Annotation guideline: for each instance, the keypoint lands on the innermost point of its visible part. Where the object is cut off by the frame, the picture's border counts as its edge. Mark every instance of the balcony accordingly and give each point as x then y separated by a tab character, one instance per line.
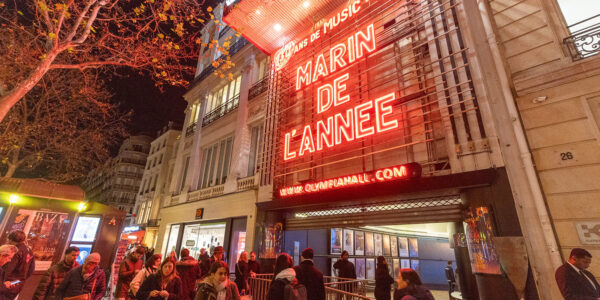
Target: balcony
191	129
221	110
206	193
258	88
248	183
153	223
585	38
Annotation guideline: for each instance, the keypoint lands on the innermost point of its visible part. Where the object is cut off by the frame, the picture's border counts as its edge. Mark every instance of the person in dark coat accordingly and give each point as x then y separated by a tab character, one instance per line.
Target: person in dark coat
217	256
22	264
345	269
189	271
283	275
253	264
56	274
310	277
203	260
7	252
383	280
410	287
242	273
127	270
85	279
573	280
164	284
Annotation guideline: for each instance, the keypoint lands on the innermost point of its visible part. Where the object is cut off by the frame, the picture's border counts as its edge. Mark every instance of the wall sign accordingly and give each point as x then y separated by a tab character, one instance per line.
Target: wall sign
199	213
589	232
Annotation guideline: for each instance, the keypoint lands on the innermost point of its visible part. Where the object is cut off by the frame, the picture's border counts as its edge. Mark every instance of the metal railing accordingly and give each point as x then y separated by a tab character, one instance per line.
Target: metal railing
336	288
233	49
221	110
247	183
191	129
585	38
258	88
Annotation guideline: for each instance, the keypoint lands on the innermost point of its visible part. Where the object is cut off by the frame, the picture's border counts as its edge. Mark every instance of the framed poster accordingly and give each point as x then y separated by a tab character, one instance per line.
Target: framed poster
403	246
404	263
414	264
370	268
84	251
360	268
378	244
413	247
349	241
396	267
336	241
333	261
86	229
394	245
479	233
369	246
44	236
386	245
359	243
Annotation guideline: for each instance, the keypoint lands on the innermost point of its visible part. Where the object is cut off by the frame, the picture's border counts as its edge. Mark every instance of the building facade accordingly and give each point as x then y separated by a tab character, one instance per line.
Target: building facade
156	181
213	189
117	182
386	113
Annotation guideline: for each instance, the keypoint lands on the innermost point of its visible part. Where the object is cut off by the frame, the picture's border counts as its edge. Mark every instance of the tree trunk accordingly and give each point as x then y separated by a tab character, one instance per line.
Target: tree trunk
16	94
10	172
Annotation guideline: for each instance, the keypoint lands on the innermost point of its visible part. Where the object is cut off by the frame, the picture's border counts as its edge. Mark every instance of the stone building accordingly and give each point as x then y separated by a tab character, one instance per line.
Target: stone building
117	182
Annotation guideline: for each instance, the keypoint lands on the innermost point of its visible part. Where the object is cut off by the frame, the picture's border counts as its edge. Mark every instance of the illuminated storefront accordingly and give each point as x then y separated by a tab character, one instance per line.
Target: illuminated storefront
377	115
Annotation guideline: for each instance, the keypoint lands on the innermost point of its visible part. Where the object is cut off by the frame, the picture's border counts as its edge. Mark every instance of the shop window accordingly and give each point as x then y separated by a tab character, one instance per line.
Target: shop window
255	146
216	160
172	240
198	236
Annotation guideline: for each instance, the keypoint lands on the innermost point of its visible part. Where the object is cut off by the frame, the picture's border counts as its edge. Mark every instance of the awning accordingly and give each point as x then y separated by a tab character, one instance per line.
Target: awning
41	189
270	24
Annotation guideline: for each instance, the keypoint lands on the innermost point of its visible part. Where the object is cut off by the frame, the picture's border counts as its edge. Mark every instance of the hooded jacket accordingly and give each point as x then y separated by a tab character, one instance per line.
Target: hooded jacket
127	271
46	289
419	292
189	271
283	278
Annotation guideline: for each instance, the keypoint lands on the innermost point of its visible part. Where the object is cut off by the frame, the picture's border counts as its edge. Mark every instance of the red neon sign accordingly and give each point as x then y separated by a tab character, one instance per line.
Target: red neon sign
381	175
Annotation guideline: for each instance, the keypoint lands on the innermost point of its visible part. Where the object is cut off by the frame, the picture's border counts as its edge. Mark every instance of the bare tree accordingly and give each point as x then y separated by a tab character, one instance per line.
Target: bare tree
63	128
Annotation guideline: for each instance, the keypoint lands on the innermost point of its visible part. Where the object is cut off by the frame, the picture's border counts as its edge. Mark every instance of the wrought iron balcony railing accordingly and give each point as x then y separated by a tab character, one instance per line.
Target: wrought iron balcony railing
190	129
221	110
233	49
585	38
258	88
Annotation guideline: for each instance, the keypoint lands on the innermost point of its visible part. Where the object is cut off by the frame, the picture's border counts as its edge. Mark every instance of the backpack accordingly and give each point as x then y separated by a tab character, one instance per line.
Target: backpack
294	292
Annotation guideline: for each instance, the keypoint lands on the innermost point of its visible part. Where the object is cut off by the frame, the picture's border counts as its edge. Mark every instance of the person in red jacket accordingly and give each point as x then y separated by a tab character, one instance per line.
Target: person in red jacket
127	270
189	271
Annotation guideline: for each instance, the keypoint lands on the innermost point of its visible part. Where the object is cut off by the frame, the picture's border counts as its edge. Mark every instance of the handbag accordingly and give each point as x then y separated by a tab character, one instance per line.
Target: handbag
84	296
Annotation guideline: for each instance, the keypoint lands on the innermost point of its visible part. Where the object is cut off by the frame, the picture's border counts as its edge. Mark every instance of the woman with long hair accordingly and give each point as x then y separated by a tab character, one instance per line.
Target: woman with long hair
383	280
152	265
410	287
217	285
283	275
242	272
164	284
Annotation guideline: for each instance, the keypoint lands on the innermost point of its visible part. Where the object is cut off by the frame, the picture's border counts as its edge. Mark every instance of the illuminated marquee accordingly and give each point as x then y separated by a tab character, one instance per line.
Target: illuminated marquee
381	175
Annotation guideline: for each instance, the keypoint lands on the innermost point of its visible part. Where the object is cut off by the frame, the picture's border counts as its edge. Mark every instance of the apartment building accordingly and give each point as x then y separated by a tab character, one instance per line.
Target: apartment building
213	189
156	180
117	182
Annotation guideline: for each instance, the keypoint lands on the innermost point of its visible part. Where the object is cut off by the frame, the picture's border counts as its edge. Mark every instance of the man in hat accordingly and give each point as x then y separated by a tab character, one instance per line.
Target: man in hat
573	280
216	256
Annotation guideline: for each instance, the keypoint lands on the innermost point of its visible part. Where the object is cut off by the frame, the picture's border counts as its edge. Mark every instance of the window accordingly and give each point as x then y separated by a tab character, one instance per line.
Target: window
263	68
225	93
576	11
141	213
194	113
255	146
184	175
216	160
148	209
155	180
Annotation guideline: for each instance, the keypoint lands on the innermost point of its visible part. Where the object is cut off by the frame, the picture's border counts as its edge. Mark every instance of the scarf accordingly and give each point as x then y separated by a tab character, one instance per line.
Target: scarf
289	274
222	290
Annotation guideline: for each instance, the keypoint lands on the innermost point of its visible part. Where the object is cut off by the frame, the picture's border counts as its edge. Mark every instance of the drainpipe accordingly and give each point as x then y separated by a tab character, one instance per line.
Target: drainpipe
523	147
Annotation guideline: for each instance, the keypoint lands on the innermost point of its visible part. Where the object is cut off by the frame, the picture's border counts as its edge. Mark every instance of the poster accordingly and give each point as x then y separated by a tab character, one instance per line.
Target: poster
479	233
86	228
271	245
378	244
360	268
414	264
296	253
44	237
403	246
386	245
84	251
396	267
413	247
336	241
333	261
370	268
394	245
349	241
21	220
404	263
369	246
359	243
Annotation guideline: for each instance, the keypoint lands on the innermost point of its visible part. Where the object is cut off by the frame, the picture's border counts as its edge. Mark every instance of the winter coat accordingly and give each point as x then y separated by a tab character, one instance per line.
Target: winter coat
74	284
20	267
135	284
189	271
419	292
242	272
345	269
254	266
152	283
283	278
204	261
312	279
127	271
383	282
207	291
8	293
52	279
